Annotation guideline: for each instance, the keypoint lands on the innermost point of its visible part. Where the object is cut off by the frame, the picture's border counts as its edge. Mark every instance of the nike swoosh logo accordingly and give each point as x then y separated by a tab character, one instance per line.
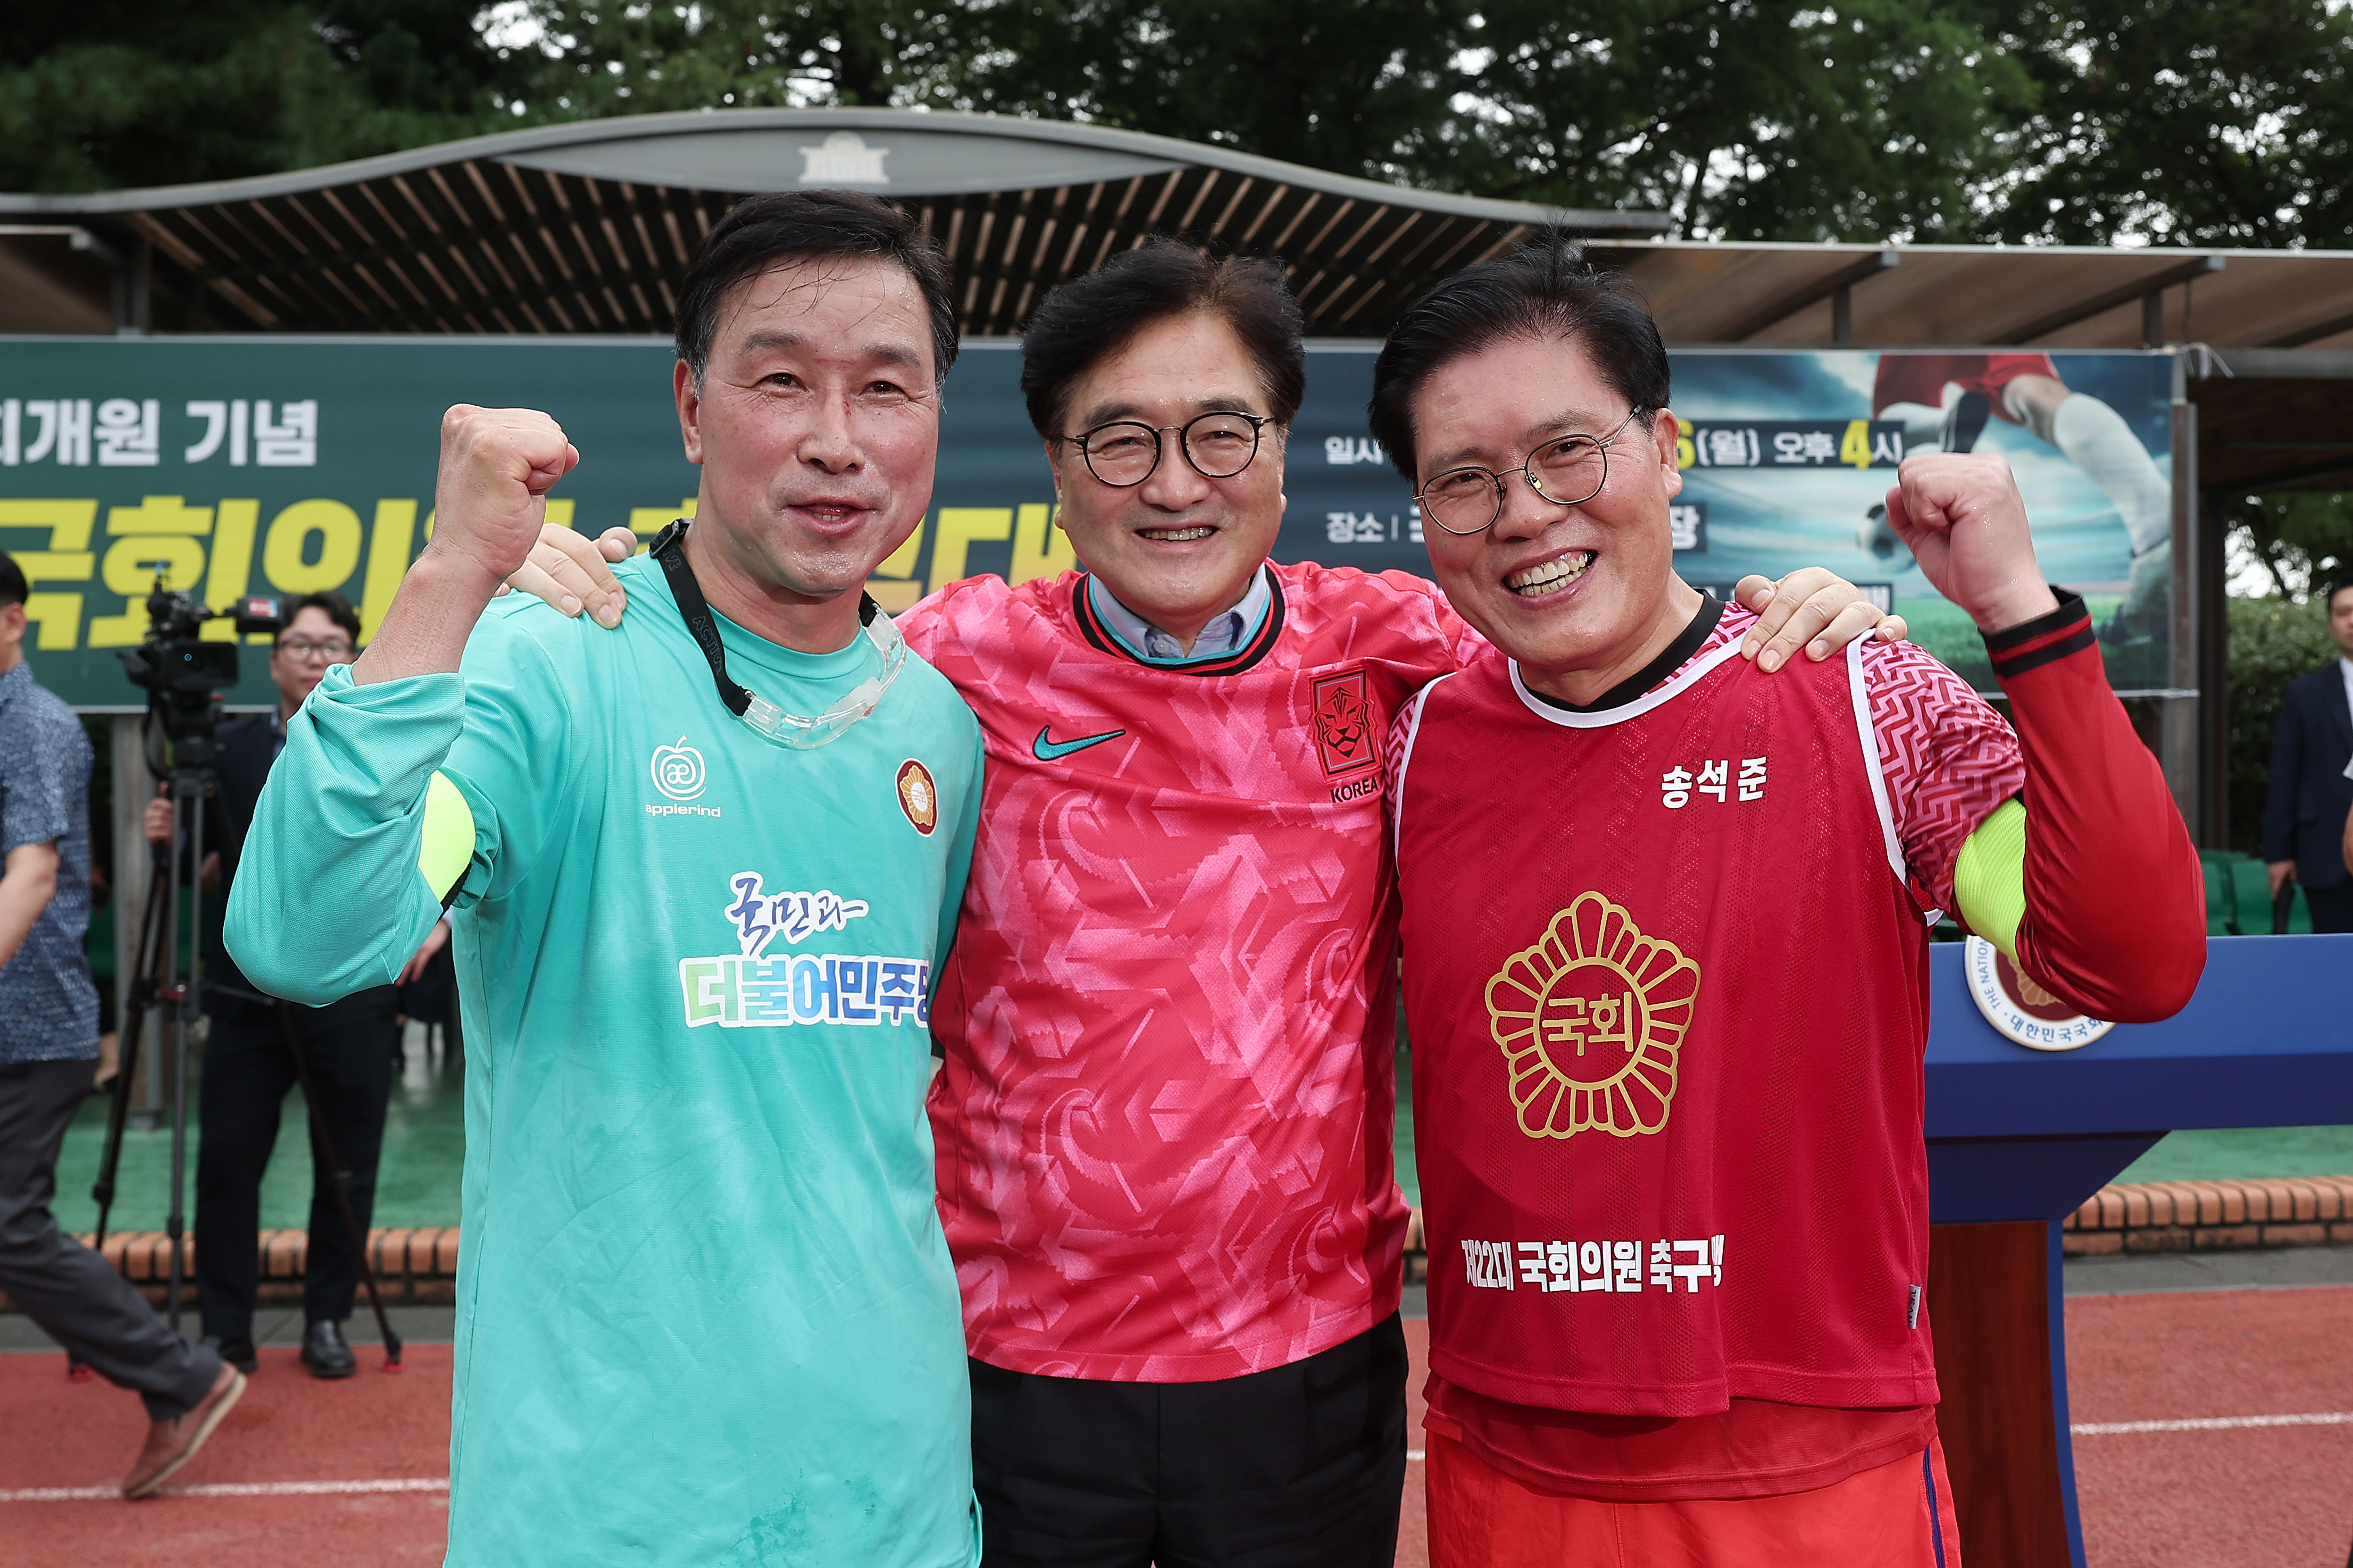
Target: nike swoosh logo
1047	751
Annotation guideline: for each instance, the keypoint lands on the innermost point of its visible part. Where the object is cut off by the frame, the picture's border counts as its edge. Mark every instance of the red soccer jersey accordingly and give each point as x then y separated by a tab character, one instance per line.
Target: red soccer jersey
1163	1118
1669	1025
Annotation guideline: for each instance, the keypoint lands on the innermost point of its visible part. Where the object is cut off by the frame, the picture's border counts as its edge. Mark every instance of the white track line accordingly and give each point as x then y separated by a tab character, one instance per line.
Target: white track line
232	1489
2211	1423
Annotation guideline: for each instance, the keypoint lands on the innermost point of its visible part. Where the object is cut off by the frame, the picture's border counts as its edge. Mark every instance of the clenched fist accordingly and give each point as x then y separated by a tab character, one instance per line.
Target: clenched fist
497	466
1966	523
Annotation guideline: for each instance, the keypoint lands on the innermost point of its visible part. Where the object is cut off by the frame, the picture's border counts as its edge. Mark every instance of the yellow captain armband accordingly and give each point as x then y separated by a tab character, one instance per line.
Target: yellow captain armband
1989	877
448	846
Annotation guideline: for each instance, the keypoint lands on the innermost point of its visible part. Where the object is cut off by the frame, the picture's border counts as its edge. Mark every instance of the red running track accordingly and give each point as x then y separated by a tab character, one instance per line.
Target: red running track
2262	1497
288	1427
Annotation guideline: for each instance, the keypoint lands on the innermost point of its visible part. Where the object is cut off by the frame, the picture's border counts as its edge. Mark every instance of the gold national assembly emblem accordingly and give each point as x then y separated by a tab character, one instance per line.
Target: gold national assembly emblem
1590	1020
918	796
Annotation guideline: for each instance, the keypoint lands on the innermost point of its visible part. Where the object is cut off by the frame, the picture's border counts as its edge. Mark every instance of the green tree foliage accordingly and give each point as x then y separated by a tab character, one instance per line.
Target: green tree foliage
105	93
2273	641
2303	538
2018	120
2229	123
1872	119
618	57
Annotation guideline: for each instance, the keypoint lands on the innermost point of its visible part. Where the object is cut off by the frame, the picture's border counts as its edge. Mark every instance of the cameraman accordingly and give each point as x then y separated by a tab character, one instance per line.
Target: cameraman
349	1045
49	1046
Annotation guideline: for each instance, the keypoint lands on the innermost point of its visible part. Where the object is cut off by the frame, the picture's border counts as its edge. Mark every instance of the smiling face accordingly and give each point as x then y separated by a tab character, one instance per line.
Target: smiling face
818	426
1582	595
1177	549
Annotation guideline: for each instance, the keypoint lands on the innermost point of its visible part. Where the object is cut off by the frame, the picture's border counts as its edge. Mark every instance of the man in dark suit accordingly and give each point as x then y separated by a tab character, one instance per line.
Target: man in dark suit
350	1046
2305	829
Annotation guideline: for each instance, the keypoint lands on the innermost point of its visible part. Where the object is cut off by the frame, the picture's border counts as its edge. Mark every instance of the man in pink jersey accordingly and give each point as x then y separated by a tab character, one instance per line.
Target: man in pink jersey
1163	1115
1674	1184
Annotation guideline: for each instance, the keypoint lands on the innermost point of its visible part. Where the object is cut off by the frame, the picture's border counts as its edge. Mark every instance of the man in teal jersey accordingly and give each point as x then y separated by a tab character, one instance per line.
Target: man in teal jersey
706	1313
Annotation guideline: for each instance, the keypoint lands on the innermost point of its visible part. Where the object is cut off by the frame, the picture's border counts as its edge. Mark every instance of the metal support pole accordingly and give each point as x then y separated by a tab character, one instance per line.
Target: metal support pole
2184	721
133	870
2152	319
139	289
1842	315
188	806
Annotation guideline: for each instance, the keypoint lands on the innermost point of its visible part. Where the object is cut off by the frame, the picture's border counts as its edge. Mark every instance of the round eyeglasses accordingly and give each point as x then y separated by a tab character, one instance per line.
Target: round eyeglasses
1567	471
1126	452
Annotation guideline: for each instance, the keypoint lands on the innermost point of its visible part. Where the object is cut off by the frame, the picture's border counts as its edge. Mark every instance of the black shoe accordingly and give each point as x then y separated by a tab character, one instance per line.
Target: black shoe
325	1353
239	1354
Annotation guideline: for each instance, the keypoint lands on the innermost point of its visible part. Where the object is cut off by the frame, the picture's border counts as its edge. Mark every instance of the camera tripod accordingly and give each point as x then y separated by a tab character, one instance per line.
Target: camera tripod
158	982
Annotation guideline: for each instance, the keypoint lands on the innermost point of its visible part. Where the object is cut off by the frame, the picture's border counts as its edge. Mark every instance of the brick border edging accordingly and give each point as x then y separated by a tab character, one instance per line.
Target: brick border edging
2211	1217
420	1264
412	1264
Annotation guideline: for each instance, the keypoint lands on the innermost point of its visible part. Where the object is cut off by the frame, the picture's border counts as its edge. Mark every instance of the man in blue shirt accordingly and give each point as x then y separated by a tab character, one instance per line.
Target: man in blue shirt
704	867
48	1048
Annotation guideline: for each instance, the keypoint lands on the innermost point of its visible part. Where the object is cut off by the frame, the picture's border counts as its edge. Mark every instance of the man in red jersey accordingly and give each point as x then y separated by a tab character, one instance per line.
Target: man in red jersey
1163	1115
1674	1184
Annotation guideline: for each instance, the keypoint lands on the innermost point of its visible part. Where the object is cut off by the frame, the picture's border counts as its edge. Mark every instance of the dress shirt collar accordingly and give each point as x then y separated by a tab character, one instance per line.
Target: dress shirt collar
1225	634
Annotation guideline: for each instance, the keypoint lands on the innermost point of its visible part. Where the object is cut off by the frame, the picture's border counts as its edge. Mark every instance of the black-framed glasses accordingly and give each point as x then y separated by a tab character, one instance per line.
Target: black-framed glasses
1566	470
1126	452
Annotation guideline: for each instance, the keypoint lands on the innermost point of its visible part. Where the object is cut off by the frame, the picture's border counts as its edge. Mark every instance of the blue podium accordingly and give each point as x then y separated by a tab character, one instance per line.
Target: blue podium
2018	1138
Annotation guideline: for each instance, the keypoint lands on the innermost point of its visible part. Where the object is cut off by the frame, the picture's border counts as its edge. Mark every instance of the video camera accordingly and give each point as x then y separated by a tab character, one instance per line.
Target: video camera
184	674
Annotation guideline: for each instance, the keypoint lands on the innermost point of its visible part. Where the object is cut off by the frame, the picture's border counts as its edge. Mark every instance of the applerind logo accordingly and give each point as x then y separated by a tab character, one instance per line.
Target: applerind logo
678	770
677	773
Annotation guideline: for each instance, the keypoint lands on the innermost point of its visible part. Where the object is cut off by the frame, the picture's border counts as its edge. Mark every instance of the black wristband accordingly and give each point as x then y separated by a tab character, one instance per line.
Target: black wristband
2045	639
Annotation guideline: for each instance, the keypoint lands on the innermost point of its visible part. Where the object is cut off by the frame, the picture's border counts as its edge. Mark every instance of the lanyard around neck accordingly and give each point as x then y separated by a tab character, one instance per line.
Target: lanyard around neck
670	549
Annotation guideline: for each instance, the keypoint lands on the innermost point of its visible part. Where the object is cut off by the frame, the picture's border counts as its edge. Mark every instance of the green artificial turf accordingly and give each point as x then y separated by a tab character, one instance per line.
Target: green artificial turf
416	1179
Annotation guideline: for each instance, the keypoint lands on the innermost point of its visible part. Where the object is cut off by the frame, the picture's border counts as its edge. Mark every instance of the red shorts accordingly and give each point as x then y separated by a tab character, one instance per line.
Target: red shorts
1921	378
1896	1515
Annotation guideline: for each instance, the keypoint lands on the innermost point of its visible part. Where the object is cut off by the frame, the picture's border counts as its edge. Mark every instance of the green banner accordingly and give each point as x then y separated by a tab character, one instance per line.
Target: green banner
288	466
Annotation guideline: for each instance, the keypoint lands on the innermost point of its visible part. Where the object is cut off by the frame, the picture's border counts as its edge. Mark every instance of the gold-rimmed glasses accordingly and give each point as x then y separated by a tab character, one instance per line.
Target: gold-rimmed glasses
1566	470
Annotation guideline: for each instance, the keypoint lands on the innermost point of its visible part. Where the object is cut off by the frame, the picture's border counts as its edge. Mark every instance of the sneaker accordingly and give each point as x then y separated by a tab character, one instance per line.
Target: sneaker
170	1443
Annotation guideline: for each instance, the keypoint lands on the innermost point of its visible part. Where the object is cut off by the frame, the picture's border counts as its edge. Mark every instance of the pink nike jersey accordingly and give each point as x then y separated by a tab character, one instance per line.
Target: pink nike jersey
1165	1115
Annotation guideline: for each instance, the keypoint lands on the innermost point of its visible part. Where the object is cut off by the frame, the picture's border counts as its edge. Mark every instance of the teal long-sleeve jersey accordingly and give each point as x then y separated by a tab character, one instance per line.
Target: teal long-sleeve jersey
706	1315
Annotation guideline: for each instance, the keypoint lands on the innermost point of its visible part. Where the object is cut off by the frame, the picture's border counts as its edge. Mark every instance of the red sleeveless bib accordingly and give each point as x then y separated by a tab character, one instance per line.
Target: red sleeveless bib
1668	1001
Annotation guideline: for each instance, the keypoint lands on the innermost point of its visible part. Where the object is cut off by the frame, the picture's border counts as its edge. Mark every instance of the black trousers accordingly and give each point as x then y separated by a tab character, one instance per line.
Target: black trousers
350	1046
2332	908
1302	1467
74	1294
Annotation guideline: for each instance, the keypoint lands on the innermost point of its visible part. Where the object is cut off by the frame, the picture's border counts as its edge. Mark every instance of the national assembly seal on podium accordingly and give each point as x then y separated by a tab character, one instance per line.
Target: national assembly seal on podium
2020	1010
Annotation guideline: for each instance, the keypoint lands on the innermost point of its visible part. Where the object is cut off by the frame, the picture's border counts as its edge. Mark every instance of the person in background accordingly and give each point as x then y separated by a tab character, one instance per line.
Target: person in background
2308	811
350	1046
48	1042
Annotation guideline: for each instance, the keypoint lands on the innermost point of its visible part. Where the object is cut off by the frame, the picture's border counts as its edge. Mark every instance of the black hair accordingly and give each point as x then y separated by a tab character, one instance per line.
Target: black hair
2327	594
337	609
759	233
1078	325
14	589
1546	288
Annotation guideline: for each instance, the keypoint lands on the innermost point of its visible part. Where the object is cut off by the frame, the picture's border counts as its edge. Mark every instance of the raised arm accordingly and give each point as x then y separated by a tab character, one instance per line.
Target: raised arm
403	779
489	499
2093	887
